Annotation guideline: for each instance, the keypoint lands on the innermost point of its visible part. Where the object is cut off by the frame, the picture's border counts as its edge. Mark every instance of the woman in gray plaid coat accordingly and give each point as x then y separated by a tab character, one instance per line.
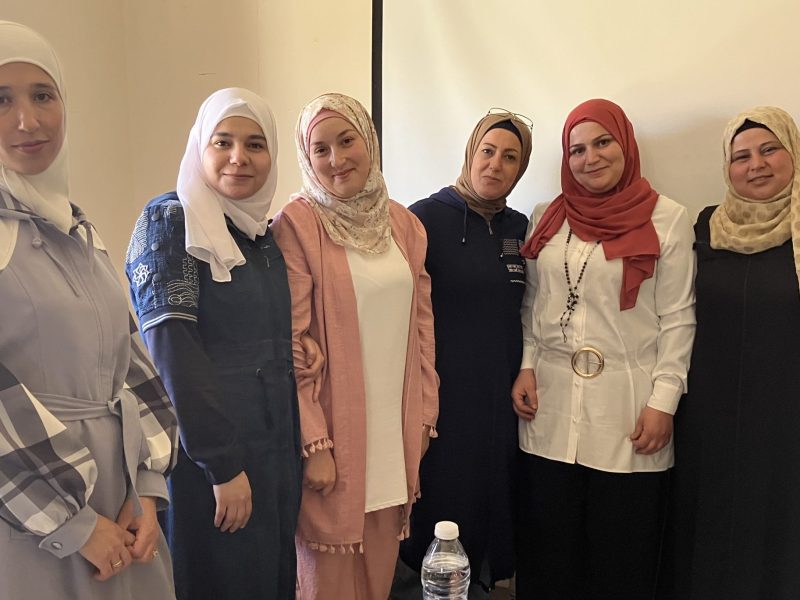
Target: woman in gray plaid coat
86	430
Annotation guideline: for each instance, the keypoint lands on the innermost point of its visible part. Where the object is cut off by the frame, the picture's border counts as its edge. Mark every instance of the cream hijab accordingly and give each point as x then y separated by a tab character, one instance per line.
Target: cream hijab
207	235
360	222
45	194
743	225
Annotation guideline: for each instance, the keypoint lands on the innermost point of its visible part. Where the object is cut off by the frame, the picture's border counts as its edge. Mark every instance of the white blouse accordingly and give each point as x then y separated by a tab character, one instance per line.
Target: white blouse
646	349
384	288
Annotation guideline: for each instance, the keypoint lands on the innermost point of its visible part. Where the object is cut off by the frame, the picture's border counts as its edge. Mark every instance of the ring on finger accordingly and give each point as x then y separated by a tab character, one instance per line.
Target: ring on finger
117	565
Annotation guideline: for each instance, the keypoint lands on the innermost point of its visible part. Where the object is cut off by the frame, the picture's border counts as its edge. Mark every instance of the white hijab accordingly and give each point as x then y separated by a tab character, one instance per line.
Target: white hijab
45	194
207	235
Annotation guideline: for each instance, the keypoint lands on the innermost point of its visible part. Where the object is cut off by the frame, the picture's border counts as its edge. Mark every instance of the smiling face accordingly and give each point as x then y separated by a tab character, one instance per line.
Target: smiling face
32	123
236	162
495	164
339	157
760	166
596	159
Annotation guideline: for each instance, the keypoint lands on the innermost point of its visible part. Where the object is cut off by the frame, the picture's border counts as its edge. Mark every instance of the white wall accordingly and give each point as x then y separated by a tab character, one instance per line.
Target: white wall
137	70
680	69
88	36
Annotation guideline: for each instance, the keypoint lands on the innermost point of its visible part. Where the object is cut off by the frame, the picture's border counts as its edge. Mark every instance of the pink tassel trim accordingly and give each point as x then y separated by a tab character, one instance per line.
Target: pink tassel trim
321	444
432	431
337	548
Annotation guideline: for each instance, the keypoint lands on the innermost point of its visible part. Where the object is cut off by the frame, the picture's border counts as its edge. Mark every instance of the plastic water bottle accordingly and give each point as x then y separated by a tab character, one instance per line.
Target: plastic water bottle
445	568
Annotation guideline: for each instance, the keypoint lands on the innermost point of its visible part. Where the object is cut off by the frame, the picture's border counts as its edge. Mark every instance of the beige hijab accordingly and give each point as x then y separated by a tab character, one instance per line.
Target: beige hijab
485	207
362	221
743	225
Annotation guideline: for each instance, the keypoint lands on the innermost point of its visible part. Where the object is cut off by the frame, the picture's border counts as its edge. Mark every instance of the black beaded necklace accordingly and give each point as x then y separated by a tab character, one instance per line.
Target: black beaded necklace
572	296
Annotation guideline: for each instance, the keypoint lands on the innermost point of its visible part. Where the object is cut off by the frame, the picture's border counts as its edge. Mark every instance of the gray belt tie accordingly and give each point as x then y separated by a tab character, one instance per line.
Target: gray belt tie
125	407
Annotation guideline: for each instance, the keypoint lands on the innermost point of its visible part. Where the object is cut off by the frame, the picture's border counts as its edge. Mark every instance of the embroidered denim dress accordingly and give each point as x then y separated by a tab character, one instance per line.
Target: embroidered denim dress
245	359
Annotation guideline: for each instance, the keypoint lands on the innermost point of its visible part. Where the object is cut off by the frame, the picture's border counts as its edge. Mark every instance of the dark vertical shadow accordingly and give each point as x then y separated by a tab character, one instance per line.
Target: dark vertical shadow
377	67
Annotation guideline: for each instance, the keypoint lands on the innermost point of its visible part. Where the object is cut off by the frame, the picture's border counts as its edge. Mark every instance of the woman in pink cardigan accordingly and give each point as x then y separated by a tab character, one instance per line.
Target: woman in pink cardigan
359	288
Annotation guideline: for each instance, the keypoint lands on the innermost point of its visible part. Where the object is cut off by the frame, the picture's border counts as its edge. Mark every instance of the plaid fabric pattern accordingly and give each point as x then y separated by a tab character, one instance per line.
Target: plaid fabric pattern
46	475
156	413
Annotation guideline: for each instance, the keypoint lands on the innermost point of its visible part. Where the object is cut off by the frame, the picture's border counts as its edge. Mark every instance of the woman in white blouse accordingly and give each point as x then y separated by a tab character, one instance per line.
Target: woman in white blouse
608	324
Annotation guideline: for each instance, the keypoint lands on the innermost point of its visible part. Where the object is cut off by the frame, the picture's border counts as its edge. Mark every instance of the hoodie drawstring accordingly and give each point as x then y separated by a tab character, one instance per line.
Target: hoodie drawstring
89	248
499	232
464	233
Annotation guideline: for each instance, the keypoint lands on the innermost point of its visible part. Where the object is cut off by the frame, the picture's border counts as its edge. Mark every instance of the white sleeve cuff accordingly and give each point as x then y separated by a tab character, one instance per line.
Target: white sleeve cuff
528	354
666	396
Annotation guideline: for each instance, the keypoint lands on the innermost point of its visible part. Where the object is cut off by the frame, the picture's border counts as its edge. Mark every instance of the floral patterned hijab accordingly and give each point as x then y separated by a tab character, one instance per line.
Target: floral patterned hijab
362	221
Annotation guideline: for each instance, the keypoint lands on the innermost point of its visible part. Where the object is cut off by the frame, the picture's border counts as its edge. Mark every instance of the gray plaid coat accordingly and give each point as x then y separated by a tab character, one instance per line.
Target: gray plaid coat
84	421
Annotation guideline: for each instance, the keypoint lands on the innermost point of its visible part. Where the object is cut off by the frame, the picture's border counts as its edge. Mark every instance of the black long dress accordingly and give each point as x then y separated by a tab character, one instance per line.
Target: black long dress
477	283
224	353
734	518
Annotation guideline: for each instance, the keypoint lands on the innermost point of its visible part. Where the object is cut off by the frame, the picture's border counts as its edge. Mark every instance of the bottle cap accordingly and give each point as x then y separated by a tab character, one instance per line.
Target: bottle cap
446	530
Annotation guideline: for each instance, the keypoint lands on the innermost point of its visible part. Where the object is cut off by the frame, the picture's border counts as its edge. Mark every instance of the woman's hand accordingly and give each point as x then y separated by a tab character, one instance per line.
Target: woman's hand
234	503
523	395
319	473
144	528
426	440
314	362
314	357
107	549
653	431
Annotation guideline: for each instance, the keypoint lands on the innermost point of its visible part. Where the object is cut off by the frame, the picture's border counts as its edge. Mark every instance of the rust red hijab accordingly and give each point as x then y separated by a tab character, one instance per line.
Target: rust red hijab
620	217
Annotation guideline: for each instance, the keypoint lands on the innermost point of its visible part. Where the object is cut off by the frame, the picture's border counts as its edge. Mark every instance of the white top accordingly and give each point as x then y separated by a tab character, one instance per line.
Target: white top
646	348
383	287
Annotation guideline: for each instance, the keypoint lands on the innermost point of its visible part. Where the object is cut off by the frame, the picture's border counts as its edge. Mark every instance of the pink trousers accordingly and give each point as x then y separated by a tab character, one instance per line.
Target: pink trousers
367	576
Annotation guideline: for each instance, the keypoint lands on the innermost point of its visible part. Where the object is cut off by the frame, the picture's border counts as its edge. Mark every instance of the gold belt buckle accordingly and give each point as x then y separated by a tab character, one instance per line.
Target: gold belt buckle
588	362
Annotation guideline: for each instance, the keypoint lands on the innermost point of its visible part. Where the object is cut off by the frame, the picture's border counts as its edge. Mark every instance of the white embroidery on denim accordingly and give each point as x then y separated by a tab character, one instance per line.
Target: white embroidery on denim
172	210
190	275
185	292
140	274
138	241
179	293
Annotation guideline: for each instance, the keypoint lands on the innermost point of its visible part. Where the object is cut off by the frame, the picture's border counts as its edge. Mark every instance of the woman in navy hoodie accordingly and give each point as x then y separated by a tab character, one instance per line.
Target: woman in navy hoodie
477	278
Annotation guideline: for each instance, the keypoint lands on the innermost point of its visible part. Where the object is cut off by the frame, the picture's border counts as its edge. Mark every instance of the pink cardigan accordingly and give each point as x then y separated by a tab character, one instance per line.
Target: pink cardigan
324	305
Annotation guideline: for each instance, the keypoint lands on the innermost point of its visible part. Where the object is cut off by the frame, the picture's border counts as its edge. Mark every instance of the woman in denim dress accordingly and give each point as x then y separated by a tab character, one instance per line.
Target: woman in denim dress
210	288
